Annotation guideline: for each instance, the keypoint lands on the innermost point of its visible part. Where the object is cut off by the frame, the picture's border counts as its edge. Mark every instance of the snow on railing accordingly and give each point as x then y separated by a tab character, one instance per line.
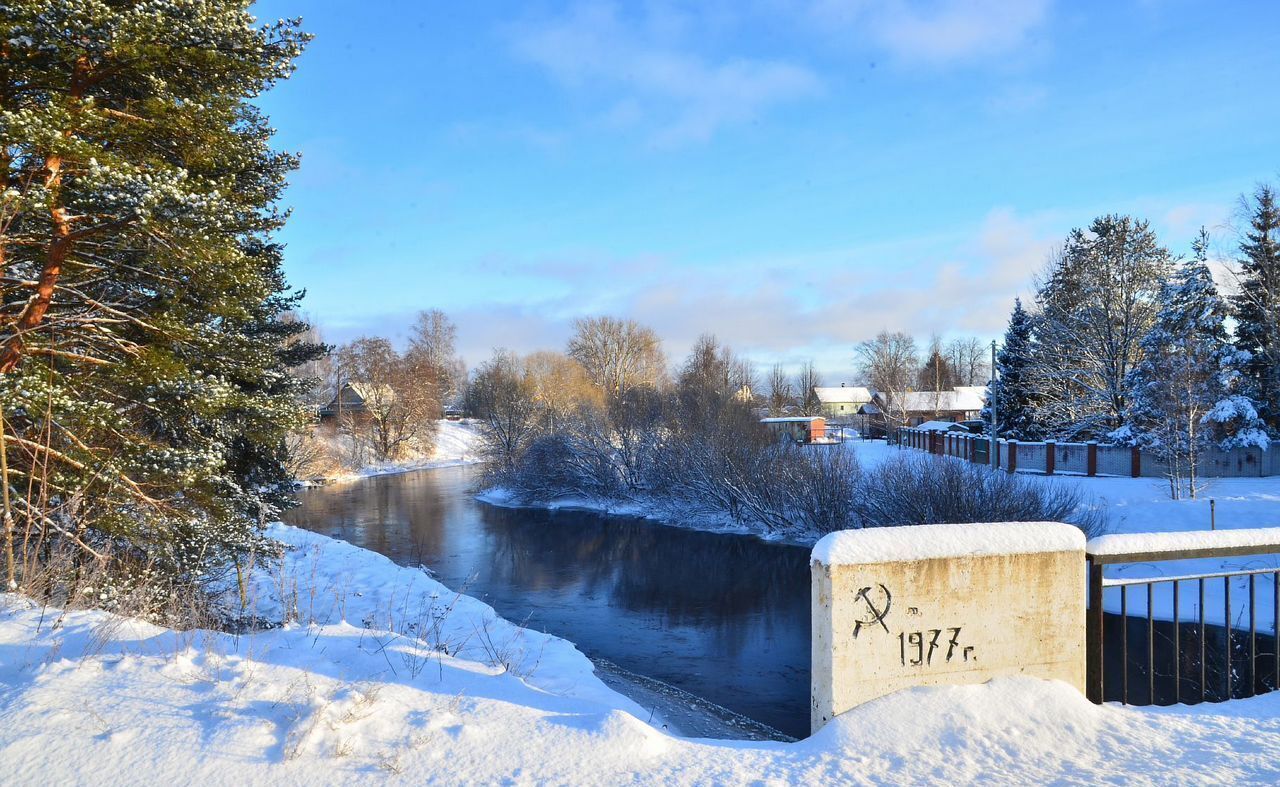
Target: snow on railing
1050	457
1210	655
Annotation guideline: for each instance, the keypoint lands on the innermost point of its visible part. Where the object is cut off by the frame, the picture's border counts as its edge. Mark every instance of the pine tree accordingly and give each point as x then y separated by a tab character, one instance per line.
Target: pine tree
1016	395
144	344
1257	306
1184	395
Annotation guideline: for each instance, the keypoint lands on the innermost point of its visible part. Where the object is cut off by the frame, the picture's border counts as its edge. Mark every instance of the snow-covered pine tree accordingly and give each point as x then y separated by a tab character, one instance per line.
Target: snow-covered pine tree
1184	396
1096	302
1016	393
143	345
1257	306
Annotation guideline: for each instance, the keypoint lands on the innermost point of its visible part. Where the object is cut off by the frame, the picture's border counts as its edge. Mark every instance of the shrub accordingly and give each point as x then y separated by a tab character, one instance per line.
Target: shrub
918	489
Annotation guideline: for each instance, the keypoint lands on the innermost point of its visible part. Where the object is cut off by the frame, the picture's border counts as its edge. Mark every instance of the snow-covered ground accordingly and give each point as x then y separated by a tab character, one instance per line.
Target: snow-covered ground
1143	505
456	443
351	693
386	674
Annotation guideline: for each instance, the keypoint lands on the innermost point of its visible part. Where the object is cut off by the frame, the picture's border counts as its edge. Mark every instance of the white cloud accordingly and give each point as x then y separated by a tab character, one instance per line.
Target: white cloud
653	74
934	31
840	297
959	29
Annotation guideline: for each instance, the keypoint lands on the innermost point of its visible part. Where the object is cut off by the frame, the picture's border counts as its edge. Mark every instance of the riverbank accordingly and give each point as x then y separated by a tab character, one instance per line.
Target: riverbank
1133	505
387	674
456	443
870	453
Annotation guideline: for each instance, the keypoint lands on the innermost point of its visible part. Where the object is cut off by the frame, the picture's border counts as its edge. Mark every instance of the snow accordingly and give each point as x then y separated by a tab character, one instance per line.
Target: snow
940	426
1157	543
844	394
926	542
456	443
388	675
1142	506
350	694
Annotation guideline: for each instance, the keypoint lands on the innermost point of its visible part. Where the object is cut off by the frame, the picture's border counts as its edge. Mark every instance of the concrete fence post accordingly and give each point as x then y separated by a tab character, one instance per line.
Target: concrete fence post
1091	458
1050	456
898	607
1013	456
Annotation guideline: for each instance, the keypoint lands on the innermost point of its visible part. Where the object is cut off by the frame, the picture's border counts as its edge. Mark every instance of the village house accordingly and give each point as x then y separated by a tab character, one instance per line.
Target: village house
910	408
799	429
844	401
351	402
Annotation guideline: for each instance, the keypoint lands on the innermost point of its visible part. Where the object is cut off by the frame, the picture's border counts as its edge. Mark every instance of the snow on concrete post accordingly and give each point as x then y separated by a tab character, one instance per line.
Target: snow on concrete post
897	607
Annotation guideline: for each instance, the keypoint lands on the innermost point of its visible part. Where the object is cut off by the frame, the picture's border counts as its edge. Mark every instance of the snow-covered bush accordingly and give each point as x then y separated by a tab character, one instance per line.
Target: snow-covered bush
561	465
918	489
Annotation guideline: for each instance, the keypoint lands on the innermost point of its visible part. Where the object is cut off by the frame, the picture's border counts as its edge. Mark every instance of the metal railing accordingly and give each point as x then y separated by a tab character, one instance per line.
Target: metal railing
1199	660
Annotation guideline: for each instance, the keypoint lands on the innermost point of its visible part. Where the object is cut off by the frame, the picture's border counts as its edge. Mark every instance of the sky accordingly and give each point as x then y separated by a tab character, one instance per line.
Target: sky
791	176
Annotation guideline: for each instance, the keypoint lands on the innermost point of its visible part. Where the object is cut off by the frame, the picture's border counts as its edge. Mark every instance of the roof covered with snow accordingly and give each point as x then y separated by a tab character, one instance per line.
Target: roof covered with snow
794	419
926	542
843	394
967	399
941	426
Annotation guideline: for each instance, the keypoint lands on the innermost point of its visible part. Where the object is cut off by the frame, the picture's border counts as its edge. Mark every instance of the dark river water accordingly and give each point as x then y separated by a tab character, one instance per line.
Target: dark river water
723	617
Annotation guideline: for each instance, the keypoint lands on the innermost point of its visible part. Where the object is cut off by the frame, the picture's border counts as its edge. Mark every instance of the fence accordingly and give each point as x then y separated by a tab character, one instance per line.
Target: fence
1116	616
1179	660
1090	459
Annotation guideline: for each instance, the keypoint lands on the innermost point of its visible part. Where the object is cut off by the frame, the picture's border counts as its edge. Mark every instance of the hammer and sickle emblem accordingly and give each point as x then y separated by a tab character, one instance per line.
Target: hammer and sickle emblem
875	604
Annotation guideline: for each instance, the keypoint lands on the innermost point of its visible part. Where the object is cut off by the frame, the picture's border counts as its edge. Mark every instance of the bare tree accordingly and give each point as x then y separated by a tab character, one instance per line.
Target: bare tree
501	396
937	375
561	388
806	381
432	341
890	364
398	407
618	354
781	393
969	359
321	371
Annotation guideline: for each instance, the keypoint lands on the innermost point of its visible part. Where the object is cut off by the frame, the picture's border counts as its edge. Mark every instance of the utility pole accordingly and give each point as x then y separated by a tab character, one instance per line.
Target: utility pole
994	420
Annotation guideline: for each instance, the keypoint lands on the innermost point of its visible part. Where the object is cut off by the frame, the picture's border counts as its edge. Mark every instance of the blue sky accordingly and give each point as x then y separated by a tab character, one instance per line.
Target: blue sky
792	176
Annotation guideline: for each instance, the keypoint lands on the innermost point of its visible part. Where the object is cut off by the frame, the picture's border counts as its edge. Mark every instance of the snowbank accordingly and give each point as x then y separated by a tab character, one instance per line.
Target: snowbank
456	443
393	676
925	542
90	698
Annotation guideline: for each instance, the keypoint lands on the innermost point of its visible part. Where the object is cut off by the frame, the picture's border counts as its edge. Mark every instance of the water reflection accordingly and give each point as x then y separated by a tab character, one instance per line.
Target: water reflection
722	616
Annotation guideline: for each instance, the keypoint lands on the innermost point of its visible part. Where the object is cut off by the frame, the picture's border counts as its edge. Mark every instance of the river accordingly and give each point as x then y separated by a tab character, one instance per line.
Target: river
723	617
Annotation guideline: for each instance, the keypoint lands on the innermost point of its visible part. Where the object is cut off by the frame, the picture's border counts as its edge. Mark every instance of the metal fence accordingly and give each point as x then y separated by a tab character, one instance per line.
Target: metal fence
1090	459
1176	649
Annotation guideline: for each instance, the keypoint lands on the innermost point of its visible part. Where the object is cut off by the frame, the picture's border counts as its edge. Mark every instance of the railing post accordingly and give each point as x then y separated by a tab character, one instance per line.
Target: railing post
1013	456
1135	461
1091	458
1050	456
1093	636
